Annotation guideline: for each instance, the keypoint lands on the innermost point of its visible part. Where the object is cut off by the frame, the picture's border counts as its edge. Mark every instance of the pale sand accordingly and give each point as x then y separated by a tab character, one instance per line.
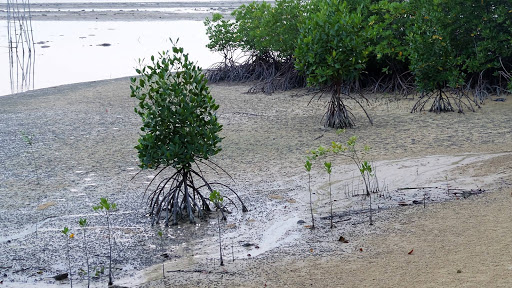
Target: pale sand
83	151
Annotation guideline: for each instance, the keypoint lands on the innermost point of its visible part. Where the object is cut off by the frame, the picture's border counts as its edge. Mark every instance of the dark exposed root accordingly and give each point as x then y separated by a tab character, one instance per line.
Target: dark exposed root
442	102
482	88
489	82
284	77
397	83
361	105
179	197
338	116
269	73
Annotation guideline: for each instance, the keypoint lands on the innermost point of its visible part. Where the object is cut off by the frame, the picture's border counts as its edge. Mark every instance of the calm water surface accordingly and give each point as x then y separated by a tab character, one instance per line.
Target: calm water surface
72	51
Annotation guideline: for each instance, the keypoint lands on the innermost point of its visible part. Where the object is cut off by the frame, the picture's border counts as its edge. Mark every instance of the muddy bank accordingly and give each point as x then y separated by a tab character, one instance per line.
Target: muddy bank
83	150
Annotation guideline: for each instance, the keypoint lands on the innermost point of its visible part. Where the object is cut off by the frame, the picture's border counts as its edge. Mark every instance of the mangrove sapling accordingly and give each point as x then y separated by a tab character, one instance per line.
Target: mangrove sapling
328	169
364	167
98	271
180	130
107	208
350	151
217	199
308	168
65	231
28	139
83	223
366	172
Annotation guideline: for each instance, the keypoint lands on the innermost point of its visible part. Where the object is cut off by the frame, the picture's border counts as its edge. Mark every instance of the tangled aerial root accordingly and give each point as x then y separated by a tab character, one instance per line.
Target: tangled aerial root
179	197
442	102
269	73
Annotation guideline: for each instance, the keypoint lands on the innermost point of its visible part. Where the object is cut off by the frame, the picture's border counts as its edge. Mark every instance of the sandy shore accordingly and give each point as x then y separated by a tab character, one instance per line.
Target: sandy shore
82	150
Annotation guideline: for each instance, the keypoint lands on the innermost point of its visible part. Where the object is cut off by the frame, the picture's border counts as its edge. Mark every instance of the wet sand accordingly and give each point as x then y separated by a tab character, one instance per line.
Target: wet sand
83	139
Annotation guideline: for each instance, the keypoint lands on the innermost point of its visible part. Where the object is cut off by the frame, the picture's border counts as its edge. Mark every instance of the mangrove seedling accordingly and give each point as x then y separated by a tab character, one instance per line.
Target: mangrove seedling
68	236
328	169
107	208
179	131
83	223
308	168
98	271
29	140
161	235
350	151
366	172
217	199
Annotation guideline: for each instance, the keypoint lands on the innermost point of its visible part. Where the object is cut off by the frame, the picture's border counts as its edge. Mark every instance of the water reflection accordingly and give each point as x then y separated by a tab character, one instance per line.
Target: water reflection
20	45
80	51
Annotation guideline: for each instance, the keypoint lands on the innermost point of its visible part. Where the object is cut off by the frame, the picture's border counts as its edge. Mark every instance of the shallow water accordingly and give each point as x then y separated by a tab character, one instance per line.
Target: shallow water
68	52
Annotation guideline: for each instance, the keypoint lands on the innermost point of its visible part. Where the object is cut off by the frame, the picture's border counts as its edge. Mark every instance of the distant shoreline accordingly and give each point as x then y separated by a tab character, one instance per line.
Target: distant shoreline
128	11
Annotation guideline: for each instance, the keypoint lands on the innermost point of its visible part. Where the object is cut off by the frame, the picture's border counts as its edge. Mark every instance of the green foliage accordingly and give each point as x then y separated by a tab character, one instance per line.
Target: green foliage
264	28
99	271
333	44
263	37
284	24
177	111
250	19
480	30
104	204
349	150
453	39
215	197
308	165
332	52
365	168
388	19
28	139
434	60
223	35
328	167
82	222
68	236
